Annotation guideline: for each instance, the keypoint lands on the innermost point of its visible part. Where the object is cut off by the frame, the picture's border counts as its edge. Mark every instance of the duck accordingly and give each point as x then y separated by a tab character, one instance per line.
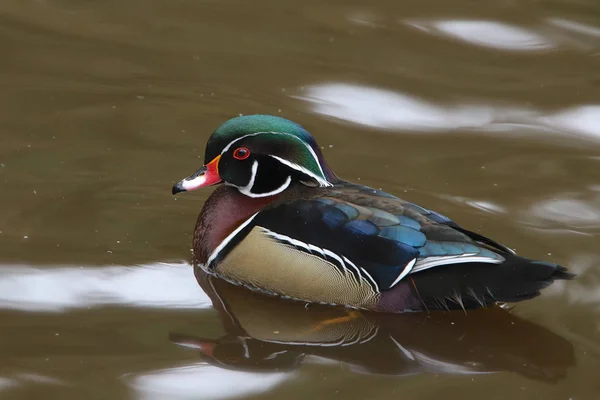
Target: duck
281	222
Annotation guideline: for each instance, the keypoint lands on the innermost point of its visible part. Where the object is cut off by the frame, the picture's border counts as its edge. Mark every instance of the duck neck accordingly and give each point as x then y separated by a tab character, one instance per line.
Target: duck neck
224	210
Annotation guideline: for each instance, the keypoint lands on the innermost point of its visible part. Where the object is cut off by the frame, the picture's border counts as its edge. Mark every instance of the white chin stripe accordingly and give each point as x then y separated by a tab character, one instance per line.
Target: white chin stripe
194	183
247	190
276	191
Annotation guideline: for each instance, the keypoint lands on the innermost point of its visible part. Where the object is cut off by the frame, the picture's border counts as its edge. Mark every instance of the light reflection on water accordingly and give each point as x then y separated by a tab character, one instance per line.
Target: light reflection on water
202	381
6	383
20	379
386	109
546	35
575	26
581	119
158	285
482	205
568	211
490	34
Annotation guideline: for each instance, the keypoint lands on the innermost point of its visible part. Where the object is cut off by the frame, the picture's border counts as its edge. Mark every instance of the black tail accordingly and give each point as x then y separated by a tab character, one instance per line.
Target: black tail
475	285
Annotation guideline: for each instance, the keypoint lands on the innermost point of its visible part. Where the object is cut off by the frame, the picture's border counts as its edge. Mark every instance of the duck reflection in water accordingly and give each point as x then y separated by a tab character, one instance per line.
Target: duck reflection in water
267	334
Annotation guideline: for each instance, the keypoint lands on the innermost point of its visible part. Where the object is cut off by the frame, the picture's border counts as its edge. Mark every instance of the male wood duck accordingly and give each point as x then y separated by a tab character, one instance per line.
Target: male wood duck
283	223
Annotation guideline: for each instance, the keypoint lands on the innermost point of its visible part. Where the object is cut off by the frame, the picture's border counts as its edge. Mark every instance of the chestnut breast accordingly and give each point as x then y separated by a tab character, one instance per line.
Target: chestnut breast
224	210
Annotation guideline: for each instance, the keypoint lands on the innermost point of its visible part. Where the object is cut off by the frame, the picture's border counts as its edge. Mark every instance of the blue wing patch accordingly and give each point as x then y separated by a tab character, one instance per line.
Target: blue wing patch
406	235
362	227
347	209
334	217
409	222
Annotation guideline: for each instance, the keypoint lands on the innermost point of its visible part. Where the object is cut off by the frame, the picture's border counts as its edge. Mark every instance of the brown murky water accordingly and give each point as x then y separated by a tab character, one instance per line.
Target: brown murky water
488	112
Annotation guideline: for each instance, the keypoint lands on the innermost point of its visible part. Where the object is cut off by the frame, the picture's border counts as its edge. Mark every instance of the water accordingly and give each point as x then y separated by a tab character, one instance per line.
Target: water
487	112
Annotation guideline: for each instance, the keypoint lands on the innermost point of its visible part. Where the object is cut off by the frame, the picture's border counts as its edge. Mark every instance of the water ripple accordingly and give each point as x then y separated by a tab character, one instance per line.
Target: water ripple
567	211
491	34
202	381
575	26
158	285
482	205
389	110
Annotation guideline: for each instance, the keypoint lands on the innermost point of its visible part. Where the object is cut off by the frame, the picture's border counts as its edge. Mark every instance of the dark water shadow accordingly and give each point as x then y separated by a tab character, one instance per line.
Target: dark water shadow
268	334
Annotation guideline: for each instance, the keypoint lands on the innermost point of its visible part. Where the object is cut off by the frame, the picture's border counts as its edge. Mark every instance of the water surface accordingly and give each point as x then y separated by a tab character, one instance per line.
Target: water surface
487	112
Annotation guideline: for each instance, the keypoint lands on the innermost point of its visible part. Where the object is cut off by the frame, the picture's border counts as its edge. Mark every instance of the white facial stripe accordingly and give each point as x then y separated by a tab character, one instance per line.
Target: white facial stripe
273	192
350	263
240	138
404	272
225	241
247	190
194	183
312	152
322	182
321	179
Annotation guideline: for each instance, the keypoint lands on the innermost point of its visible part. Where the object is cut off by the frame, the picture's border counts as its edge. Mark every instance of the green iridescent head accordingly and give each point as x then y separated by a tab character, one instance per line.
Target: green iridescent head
261	155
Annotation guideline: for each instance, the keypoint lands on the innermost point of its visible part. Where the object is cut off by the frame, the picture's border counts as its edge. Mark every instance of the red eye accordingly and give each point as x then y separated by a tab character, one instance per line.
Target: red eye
241	153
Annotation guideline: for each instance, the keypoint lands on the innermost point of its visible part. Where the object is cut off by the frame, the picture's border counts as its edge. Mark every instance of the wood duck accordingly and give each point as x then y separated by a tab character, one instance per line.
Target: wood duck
283	223
266	334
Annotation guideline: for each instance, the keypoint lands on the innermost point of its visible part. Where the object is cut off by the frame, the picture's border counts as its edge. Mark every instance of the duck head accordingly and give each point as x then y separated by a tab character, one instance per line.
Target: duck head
260	155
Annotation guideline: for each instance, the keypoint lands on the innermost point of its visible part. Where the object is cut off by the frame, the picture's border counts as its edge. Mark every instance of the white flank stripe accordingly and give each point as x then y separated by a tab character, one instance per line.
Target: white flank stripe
222	245
353	266
288	239
404	272
431	262
329	253
343	261
375	285
317	249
